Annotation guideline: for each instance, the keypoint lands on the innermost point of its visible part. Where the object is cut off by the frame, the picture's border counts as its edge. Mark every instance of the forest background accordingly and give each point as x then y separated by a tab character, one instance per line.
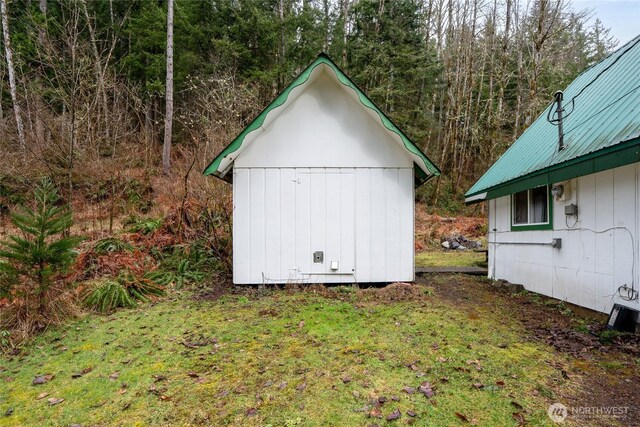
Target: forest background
84	85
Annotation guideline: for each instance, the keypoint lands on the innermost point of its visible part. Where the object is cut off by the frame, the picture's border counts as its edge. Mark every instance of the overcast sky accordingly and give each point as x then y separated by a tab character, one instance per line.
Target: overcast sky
622	16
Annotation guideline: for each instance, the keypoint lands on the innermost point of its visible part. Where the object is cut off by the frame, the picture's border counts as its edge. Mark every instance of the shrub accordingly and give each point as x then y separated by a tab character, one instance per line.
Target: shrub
183	264
125	291
33	264
109	295
141	288
145	225
110	245
185	272
5	340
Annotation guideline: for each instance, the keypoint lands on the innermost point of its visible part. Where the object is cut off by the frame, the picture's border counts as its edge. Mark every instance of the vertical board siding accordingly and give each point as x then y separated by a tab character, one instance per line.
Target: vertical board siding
378	230
600	252
318	194
303	221
257	213
360	217
273	244
347	222
288	224
363	225
392	223
241	239
406	200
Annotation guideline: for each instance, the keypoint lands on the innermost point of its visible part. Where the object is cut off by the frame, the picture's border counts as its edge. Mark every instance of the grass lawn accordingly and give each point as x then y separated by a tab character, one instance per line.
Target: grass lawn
452	258
285	358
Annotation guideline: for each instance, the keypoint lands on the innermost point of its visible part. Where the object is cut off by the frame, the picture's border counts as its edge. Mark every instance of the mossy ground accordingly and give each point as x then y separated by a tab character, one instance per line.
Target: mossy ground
285	358
440	258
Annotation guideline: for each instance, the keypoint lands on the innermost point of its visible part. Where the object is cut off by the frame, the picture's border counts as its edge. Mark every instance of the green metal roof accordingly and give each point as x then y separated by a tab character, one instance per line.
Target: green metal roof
601	131
424	168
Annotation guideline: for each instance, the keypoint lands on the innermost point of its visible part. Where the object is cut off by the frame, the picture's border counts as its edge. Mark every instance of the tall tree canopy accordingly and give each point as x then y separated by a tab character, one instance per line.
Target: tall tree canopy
462	78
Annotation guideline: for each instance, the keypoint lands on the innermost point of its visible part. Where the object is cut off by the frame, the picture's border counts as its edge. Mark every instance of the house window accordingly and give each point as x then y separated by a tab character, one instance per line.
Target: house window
531	207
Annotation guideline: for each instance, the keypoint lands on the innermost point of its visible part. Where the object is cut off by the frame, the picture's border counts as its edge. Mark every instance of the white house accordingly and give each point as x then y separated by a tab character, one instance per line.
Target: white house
323	187
564	201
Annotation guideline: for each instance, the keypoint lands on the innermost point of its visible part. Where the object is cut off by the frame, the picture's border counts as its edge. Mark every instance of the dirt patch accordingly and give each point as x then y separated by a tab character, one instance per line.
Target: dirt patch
395	292
602	371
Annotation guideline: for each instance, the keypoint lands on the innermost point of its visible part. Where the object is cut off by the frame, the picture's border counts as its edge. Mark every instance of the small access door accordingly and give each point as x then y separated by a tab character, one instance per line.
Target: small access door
325	224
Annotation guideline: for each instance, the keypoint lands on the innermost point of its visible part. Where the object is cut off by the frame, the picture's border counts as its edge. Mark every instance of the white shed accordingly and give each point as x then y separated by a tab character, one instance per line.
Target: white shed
323	187
564	201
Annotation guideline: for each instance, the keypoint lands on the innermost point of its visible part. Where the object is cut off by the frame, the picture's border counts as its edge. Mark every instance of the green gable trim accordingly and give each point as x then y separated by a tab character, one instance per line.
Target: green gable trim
423	172
615	156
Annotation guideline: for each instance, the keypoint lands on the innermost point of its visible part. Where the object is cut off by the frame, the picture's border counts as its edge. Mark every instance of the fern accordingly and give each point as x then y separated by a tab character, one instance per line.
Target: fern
145	225
111	245
109	295
125	291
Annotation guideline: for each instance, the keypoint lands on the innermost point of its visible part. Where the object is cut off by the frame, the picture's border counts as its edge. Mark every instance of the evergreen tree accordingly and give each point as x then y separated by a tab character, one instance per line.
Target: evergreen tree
30	263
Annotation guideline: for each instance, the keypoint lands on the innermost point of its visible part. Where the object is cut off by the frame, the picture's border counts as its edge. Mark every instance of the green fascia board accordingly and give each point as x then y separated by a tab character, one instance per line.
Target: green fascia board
423	172
608	158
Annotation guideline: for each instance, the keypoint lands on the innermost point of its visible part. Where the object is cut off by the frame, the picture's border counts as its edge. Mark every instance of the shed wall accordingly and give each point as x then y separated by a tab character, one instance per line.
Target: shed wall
360	217
324	126
599	251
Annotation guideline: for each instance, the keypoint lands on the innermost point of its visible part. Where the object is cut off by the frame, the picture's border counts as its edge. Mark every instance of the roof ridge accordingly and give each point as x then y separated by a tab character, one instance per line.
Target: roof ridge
424	172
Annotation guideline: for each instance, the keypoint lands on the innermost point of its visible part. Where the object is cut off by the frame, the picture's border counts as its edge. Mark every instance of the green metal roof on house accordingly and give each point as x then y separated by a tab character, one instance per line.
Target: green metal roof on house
423	167
601	131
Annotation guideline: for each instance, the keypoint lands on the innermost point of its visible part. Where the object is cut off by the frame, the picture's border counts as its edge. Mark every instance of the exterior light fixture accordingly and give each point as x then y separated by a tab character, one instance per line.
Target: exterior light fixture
557	191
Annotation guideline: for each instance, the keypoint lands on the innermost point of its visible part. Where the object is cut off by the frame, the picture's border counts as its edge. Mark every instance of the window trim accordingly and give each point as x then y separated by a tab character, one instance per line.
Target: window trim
537	226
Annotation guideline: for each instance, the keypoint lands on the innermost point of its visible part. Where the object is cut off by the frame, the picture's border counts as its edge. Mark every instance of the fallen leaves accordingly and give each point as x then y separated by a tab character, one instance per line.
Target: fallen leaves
54	401
408	390
519	417
42	395
82	373
425	388
42	379
466	419
375	412
394	415
159	378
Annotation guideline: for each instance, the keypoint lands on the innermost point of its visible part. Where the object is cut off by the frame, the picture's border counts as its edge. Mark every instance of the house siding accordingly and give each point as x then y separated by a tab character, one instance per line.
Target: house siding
599	252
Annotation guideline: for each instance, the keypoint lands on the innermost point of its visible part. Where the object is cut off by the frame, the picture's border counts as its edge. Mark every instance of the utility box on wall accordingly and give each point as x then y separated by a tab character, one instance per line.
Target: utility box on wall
323	187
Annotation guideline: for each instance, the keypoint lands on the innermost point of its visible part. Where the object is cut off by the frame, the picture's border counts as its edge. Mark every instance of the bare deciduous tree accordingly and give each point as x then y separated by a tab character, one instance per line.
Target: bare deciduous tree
168	120
12	74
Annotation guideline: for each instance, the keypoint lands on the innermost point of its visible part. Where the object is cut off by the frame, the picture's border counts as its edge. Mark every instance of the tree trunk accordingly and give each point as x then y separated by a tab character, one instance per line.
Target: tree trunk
168	120
281	48
12	74
42	5
99	71
345	27
39	104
